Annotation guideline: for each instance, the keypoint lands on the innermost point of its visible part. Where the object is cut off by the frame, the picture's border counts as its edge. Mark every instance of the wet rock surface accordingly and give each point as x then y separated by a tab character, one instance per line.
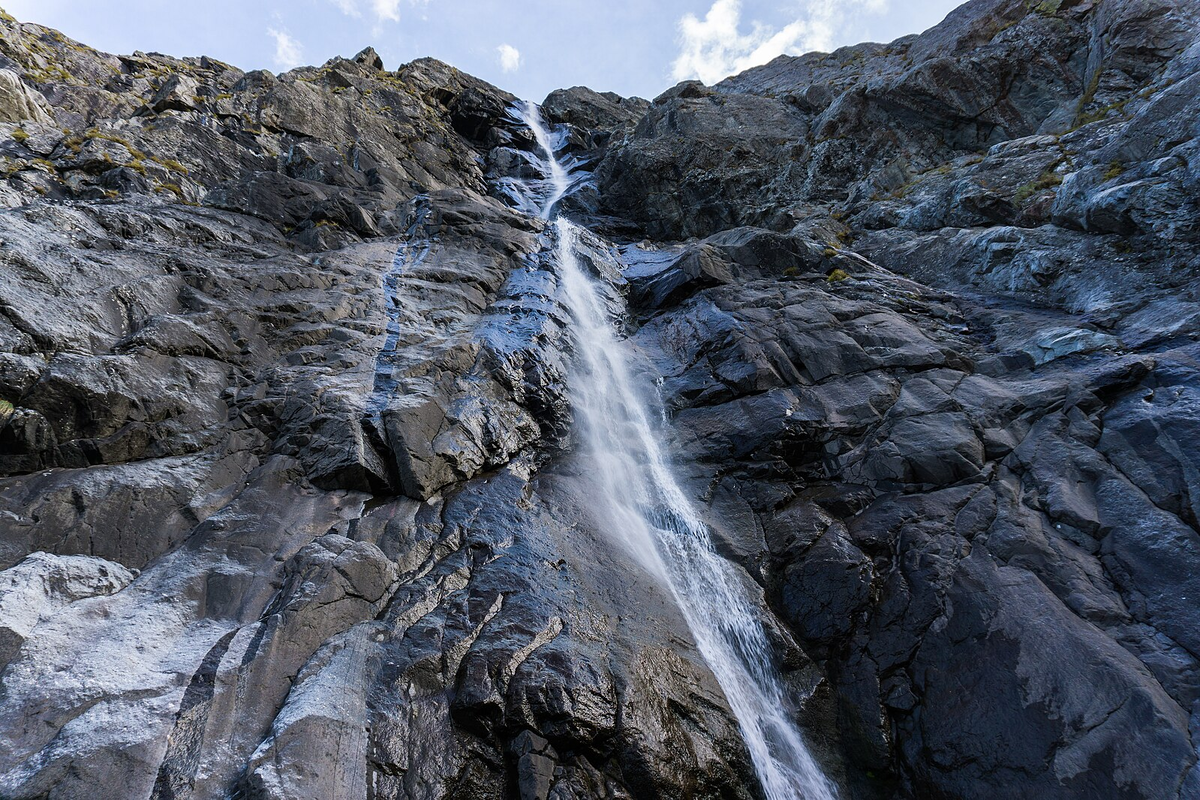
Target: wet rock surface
290	503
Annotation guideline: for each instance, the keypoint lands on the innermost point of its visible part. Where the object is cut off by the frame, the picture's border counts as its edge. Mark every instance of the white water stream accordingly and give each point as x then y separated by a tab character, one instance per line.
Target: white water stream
641	503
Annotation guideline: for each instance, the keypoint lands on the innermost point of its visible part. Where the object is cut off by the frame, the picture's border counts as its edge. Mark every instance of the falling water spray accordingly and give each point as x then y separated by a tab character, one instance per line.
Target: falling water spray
642	505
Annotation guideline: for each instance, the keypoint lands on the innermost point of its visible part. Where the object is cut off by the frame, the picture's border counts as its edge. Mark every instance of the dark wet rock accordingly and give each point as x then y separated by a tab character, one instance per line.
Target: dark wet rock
485	377
826	581
591	111
866	121
594	118
474	113
967	492
660	279
127	513
279	198
726	146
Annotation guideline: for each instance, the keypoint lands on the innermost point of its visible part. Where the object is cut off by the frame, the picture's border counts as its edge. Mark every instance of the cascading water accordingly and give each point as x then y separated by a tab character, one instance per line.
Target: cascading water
644	505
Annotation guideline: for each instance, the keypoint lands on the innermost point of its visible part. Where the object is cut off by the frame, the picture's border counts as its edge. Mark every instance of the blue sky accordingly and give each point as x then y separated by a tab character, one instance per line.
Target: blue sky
529	48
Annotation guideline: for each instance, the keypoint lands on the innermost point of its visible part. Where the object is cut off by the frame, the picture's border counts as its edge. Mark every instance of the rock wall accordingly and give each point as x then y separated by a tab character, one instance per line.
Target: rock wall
289	504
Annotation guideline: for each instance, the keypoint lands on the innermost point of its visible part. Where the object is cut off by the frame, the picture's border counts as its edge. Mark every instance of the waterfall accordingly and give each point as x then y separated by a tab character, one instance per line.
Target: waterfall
641	504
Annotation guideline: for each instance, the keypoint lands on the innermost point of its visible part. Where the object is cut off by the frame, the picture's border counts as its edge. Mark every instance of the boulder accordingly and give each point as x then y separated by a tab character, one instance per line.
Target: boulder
369	58
35	589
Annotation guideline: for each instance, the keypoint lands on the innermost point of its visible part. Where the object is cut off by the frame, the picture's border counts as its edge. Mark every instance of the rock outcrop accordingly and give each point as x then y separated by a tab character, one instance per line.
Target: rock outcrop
290	504
979	507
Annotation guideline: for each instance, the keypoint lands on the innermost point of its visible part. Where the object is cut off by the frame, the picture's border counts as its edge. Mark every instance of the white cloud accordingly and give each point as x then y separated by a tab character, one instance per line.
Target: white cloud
288	52
382	10
386	10
715	47
510	57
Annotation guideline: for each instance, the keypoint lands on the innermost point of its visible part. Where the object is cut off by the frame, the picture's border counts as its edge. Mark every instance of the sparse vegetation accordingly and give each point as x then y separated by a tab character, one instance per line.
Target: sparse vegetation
20	135
170	164
1002	27
1047	180
1085	100
112	137
48	74
837	275
174	189
1115	169
1098	114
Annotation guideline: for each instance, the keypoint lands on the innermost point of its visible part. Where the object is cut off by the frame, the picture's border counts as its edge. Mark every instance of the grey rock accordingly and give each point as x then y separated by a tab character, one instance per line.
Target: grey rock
20	103
178	93
657	279
843	126
369	58
594	118
35	589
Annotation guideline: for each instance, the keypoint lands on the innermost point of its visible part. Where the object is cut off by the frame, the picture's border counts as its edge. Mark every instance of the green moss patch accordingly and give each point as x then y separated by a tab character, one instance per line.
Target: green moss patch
1047	180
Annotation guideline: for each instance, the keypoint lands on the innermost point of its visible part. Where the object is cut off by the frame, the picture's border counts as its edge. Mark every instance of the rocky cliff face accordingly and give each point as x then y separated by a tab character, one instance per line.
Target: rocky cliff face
291	504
